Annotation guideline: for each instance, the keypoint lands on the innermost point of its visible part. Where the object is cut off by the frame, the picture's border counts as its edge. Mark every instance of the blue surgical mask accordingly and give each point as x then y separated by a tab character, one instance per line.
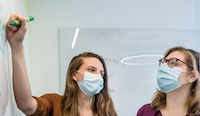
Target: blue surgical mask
167	78
92	84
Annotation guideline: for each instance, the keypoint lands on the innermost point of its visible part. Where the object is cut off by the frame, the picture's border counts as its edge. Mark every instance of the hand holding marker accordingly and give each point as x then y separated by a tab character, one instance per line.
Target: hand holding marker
17	22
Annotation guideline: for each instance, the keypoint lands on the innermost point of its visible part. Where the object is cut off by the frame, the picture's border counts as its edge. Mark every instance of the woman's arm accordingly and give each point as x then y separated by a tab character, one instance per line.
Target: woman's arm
21	85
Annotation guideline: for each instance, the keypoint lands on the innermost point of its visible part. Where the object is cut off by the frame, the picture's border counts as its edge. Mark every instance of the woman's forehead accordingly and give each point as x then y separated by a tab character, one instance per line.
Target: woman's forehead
176	54
91	61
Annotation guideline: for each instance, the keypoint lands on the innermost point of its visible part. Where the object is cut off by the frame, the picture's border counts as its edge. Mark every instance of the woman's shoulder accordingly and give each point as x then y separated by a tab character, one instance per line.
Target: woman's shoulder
146	110
147	107
47	103
49	97
51	94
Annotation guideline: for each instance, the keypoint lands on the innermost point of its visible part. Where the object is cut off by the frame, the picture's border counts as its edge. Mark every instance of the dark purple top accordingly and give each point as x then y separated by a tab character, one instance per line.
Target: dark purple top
146	110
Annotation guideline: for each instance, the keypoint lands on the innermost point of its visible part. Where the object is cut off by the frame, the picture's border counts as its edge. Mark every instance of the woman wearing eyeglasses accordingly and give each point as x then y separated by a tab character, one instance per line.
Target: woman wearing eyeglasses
178	80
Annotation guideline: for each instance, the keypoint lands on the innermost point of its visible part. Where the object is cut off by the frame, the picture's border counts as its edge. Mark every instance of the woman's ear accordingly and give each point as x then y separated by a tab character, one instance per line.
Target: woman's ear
74	76
193	77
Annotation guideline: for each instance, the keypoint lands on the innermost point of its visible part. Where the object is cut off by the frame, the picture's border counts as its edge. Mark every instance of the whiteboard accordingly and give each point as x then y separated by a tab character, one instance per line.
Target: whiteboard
7	102
130	86
3	72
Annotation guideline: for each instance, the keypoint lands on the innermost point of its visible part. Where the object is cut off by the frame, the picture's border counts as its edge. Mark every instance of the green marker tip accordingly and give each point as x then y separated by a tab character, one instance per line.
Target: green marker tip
31	18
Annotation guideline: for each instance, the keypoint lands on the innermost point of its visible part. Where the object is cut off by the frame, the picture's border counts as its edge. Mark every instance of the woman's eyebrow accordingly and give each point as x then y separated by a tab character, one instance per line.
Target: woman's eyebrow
102	71
92	67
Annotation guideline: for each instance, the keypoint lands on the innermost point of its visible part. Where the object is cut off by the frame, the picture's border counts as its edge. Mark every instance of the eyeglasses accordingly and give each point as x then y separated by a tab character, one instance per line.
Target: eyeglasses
172	62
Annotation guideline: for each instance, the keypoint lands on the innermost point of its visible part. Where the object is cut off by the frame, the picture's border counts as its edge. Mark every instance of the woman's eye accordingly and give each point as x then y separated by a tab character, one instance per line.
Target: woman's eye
174	63
91	70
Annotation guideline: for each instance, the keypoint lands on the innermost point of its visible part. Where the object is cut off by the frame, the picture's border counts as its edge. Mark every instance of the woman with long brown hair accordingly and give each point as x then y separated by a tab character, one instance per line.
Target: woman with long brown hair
86	92
178	80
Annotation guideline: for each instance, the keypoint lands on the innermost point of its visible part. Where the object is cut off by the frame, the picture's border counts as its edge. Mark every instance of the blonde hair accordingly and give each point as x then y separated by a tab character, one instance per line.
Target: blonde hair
193	104
102	104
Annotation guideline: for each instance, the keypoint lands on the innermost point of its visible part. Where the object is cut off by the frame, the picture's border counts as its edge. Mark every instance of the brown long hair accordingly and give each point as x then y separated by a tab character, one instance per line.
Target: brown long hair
193	104
102	104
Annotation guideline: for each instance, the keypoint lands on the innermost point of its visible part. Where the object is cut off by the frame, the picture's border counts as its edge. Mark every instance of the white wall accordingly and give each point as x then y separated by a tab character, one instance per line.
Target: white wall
198	23
198	14
50	15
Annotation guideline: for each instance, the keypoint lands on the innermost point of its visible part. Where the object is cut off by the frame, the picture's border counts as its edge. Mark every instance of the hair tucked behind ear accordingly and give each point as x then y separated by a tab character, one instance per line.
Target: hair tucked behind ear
102	104
192	103
196	56
194	100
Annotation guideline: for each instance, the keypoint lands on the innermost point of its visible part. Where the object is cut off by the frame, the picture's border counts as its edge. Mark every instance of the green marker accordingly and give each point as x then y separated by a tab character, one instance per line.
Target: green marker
17	22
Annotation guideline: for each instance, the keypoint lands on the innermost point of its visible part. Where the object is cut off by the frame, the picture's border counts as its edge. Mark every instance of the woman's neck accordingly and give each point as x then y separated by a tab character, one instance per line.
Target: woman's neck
176	100
84	104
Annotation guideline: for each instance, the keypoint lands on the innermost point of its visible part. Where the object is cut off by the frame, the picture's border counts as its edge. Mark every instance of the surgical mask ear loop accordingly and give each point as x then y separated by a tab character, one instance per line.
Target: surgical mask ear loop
186	72
184	83
80	72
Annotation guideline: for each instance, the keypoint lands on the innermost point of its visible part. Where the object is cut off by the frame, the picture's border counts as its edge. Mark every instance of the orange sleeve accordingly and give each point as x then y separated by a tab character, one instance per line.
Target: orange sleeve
44	105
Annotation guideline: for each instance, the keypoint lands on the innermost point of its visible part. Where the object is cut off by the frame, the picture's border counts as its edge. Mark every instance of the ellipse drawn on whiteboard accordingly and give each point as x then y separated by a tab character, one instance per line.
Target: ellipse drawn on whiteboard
142	58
